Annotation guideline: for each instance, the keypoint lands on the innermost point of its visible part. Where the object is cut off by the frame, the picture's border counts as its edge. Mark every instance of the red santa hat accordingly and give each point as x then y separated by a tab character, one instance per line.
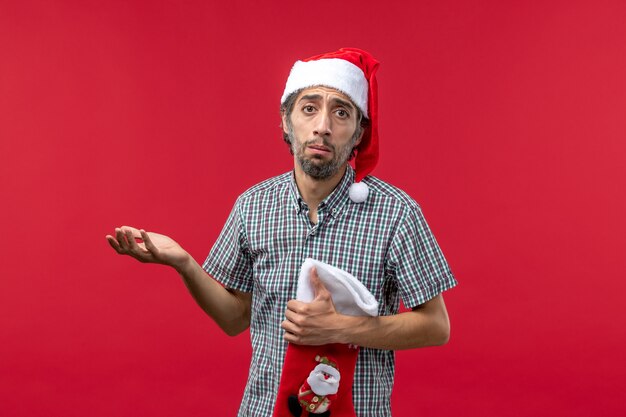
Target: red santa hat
353	72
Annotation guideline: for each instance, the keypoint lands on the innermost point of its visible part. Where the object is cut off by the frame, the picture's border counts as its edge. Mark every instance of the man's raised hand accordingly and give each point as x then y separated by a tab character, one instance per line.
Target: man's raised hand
148	247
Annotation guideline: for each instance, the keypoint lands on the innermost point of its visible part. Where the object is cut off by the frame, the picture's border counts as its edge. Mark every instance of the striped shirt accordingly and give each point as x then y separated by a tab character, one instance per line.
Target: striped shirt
384	242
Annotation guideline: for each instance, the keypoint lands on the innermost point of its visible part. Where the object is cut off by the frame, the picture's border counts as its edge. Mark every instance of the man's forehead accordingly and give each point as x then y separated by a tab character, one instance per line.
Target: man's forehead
320	91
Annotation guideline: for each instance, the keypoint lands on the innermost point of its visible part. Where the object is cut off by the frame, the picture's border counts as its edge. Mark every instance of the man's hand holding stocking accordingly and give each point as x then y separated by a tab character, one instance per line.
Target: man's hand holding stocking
317	374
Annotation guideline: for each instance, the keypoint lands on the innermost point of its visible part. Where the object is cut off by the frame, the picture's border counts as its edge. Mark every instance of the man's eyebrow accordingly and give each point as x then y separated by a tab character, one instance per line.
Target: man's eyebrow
344	103
313	97
310	97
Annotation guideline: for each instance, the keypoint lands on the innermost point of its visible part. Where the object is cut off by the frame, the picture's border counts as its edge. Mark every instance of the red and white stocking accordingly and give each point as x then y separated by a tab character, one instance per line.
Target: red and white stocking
317	381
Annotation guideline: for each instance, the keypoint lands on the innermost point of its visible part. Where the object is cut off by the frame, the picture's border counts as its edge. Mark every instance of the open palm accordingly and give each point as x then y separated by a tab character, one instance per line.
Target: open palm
148	247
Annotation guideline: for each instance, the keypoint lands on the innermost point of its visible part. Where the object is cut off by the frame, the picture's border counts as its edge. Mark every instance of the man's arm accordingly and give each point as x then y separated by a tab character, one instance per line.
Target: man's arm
230	309
318	323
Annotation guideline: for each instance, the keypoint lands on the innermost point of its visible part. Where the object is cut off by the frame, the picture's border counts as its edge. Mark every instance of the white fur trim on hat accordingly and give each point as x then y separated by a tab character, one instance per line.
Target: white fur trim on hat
349	295
331	72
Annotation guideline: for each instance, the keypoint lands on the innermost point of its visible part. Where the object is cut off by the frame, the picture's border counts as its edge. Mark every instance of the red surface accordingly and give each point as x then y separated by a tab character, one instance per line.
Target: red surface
505	120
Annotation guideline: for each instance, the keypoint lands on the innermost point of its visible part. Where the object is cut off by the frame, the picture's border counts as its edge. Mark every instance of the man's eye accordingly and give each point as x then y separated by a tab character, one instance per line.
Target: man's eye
308	109
342	113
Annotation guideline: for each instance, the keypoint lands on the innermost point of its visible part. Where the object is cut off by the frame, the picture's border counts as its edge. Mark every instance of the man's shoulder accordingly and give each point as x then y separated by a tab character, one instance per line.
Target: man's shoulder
389	194
267	188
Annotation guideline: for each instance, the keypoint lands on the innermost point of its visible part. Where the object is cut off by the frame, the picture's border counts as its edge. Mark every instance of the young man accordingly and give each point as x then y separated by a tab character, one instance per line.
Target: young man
324	210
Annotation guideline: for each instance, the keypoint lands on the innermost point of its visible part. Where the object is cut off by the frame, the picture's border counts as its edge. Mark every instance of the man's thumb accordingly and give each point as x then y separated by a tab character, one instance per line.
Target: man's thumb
317	284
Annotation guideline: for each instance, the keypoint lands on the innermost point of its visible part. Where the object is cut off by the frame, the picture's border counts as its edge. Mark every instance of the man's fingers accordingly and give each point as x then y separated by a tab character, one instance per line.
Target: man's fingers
292	331
121	239
131	231
287	326
132	234
130	238
291	337
291	316
114	243
148	242
295	306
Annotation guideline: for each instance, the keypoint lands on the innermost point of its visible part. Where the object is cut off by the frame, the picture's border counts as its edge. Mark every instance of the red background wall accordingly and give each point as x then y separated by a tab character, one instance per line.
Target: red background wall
505	120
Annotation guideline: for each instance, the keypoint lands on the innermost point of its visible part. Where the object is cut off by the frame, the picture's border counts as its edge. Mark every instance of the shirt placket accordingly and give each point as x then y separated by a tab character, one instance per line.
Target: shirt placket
311	243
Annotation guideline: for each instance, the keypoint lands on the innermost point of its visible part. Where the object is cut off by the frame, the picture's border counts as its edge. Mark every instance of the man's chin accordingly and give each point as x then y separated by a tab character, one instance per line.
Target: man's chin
317	161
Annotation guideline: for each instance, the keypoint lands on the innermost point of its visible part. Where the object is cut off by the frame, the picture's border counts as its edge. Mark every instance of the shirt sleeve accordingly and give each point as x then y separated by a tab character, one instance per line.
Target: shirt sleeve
417	262
229	261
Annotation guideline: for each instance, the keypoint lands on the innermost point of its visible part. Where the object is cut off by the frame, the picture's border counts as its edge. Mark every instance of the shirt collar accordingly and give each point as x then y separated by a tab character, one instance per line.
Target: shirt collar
333	203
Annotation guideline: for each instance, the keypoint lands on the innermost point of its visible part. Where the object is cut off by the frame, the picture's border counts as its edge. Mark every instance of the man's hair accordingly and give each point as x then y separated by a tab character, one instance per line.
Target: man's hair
286	109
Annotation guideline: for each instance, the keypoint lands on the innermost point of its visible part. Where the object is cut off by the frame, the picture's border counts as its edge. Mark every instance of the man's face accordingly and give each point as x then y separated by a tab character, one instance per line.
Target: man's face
323	131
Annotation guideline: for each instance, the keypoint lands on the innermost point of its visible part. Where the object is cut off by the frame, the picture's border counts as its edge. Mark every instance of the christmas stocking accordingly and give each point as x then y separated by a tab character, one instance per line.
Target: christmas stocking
316	381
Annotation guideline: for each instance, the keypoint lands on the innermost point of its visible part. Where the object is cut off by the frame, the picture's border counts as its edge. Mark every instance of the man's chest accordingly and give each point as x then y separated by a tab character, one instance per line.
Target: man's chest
279	242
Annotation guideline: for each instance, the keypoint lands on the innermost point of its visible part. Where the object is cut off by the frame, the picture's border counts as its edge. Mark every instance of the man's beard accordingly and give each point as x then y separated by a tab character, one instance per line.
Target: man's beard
315	167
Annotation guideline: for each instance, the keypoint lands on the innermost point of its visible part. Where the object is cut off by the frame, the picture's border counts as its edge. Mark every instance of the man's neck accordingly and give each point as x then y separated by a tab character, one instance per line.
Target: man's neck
314	191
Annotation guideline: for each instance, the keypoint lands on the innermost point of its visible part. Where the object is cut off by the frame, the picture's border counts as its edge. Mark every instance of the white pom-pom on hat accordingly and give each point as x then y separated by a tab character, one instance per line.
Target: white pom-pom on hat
358	192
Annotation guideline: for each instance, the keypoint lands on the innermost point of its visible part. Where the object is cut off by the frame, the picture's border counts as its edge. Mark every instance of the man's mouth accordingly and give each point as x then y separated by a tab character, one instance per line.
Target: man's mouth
319	149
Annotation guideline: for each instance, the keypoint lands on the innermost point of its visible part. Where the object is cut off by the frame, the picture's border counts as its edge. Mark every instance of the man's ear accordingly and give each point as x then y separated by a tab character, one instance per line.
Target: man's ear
358	141
283	122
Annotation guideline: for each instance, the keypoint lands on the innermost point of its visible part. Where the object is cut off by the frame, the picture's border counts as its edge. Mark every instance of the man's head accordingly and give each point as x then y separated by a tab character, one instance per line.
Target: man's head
344	81
324	118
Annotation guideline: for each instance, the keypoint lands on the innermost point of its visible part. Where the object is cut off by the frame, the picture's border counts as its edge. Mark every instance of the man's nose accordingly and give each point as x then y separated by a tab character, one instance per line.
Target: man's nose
323	124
